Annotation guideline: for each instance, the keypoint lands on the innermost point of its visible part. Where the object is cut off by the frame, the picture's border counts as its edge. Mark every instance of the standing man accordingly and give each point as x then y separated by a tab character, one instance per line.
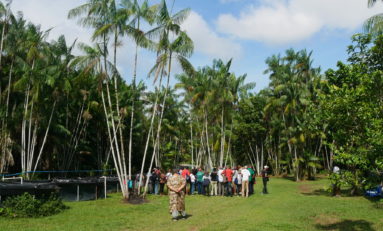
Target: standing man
199	177
265	178
176	184
186	174
214	180
245	181
251	180
220	182
229	178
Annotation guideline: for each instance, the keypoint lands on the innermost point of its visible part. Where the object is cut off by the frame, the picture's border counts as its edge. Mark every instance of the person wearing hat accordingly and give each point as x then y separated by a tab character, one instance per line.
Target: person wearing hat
265	178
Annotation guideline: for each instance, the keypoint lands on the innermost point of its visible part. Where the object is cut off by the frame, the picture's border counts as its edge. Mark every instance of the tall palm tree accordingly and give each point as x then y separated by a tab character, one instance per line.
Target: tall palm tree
139	14
179	49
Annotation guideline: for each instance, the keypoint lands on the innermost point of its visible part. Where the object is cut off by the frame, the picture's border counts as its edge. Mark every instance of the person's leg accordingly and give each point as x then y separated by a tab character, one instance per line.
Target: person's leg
243	188
157	188
191	188
251	189
234	188
161	188
265	186
214	188
229	189
245	185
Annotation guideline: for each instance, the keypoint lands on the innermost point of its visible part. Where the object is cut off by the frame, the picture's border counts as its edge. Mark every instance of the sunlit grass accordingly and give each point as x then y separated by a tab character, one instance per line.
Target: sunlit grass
289	206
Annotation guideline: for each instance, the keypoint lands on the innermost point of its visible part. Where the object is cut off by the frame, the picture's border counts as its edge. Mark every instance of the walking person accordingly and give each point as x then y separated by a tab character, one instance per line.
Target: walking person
176	184
206	184
214	182
245	173
265	179
200	181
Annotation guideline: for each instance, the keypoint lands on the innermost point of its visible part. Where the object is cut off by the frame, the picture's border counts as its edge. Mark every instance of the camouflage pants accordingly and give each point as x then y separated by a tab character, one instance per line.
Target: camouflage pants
176	201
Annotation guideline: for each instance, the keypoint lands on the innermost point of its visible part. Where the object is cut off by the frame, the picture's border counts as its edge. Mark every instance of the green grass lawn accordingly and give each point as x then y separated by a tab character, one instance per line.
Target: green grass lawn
289	206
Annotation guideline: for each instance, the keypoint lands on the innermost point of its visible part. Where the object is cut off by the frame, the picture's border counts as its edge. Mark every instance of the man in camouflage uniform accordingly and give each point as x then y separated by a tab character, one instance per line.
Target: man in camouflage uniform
176	183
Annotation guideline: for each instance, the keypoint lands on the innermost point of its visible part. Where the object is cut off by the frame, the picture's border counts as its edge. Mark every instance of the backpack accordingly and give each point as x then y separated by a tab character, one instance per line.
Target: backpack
206	182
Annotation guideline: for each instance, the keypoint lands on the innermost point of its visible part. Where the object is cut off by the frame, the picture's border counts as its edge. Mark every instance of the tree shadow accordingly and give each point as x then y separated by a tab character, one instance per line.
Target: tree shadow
290	178
317	192
347	225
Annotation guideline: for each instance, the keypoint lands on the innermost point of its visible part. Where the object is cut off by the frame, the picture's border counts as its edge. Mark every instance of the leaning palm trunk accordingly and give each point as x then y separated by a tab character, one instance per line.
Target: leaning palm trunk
157	142
149	133
45	137
112	135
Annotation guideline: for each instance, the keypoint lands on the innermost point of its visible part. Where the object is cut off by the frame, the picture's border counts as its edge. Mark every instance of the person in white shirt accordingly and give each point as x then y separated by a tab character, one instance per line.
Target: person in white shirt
239	181
235	179
245	181
221	184
192	183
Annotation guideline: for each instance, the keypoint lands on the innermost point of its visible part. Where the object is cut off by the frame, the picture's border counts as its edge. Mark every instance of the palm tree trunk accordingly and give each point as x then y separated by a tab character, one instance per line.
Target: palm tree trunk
207	141
2	38
149	134
45	138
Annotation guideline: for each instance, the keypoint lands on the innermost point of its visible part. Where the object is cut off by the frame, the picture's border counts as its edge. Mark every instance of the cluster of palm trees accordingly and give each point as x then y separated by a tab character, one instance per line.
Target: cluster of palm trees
49	88
212	94
289	141
59	111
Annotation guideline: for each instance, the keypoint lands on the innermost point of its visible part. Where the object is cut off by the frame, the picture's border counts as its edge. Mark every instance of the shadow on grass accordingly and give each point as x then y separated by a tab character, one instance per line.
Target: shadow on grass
317	192
290	178
347	225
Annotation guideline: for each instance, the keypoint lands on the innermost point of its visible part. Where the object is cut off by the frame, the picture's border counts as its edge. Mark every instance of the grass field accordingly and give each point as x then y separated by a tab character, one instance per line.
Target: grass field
289	206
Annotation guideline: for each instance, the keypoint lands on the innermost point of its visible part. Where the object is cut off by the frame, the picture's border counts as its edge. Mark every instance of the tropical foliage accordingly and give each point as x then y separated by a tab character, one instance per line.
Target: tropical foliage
61	111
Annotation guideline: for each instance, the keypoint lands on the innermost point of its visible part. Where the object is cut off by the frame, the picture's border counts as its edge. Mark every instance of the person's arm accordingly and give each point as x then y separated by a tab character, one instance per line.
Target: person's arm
171	187
182	186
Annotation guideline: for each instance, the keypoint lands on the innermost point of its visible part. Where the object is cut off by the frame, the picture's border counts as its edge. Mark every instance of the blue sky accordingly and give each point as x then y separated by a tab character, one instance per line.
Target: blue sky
248	31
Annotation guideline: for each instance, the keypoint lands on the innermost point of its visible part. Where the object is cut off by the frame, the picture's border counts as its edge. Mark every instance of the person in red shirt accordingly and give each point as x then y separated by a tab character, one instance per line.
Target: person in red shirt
228	173
186	175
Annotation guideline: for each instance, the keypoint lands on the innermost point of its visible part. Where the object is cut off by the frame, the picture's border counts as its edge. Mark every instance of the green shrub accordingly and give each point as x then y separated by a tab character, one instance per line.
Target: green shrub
27	206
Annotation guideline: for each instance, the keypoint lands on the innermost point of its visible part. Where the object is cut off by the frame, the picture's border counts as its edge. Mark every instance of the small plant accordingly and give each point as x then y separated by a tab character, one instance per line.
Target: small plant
27	206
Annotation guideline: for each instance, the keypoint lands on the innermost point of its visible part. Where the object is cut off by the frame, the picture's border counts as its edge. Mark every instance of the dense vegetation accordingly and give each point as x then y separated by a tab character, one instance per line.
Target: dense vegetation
26	205
60	111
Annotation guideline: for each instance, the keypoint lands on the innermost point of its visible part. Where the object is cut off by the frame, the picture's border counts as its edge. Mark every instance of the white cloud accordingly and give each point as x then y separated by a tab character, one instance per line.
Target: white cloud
53	14
208	42
286	21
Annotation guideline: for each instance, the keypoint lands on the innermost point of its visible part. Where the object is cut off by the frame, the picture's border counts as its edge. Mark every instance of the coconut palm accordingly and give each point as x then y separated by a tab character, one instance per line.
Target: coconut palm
374	24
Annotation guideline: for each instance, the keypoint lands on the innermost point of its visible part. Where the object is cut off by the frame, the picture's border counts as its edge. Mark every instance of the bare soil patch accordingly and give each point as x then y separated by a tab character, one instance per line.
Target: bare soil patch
135	200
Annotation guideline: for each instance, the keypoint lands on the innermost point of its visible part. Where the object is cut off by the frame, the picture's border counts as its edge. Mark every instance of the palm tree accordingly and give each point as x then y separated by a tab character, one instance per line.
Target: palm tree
179	49
139	13
374	24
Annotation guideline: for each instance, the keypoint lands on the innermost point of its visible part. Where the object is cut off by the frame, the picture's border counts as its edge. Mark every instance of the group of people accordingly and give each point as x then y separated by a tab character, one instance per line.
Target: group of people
219	182
224	181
